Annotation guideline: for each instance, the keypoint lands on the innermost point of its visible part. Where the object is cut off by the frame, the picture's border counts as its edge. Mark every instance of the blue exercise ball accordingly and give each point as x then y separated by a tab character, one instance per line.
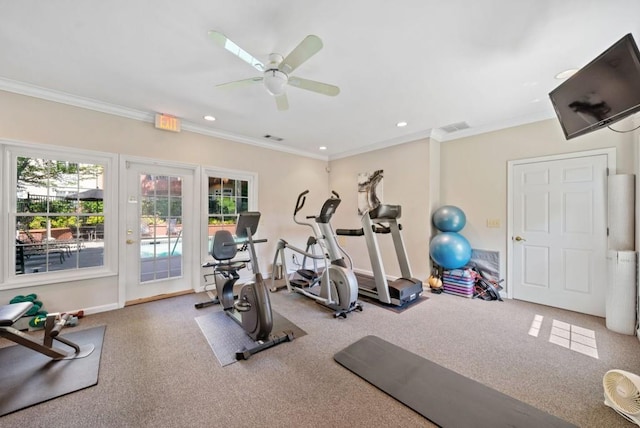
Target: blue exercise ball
450	250
449	218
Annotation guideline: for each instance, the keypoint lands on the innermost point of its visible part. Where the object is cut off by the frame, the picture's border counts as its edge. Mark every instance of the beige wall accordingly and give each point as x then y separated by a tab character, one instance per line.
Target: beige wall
474	172
470	173
280	175
406	182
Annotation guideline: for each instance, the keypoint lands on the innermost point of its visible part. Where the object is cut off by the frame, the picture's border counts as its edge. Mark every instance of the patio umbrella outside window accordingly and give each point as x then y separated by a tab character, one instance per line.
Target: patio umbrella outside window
86	195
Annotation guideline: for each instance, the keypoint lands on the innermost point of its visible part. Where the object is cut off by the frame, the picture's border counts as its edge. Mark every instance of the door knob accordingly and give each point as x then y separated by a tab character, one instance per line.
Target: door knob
519	238
130	241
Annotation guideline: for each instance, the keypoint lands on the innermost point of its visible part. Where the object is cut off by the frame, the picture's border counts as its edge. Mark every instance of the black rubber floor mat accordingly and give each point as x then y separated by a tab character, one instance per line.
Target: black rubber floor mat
28	377
226	337
445	397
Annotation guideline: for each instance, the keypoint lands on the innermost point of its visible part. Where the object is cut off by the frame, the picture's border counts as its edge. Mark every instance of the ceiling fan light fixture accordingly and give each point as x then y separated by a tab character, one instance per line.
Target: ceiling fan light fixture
566	73
275	81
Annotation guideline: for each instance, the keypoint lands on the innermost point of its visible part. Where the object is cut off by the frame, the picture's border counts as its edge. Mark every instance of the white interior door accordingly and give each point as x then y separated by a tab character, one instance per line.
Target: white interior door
559	233
159	244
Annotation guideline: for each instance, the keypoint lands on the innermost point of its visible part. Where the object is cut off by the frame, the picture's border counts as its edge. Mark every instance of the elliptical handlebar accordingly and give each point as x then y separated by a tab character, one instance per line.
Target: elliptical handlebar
300	202
302	198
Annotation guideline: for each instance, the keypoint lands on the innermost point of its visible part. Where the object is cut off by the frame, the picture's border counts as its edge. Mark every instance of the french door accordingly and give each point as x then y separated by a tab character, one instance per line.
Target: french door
159	230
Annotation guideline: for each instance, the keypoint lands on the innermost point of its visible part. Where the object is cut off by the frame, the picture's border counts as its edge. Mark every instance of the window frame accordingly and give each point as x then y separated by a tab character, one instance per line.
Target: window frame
9	153
252	198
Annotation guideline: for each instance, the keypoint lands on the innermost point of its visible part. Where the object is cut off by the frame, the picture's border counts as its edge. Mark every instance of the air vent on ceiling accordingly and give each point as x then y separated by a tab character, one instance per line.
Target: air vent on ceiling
454	127
273	137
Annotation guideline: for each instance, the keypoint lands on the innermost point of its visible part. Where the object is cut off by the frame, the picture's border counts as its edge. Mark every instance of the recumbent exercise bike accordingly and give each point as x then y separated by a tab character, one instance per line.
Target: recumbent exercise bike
252	309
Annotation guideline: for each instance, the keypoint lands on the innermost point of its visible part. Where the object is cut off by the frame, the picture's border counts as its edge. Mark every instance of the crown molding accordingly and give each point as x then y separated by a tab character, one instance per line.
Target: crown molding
443	136
73	100
143	116
407	138
438	134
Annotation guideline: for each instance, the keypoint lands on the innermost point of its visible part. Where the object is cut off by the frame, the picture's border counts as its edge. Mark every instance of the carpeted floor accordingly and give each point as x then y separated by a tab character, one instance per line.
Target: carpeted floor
158	370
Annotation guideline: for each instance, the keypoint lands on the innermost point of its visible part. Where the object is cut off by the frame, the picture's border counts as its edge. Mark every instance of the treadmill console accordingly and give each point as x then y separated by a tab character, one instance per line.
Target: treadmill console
384	211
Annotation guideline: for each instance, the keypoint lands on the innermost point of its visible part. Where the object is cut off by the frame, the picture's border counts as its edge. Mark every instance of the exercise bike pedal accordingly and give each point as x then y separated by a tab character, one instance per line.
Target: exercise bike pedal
242	306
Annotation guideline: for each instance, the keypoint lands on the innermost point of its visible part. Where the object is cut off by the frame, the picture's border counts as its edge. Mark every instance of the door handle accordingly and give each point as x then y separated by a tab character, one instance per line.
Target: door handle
519	238
130	241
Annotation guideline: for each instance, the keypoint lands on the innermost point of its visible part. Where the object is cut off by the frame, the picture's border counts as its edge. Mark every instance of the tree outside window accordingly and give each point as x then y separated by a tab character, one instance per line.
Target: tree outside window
226	198
59	215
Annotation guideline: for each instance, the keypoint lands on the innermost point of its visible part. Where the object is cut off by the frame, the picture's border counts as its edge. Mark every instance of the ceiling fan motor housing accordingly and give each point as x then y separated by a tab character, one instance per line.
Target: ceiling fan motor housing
275	80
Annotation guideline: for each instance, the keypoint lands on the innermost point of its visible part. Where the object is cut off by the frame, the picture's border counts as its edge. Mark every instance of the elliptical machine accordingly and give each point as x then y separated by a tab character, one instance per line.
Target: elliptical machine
252	310
336	287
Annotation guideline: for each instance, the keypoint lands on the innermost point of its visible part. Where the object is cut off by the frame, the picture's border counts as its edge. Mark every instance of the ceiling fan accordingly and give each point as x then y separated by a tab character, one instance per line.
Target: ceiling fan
276	72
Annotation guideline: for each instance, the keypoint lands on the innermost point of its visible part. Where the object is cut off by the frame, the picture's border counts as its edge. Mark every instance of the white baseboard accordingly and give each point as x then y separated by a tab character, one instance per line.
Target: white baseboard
98	309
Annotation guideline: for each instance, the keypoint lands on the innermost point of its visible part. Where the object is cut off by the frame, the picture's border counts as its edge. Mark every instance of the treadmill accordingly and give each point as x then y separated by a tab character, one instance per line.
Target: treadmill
384	220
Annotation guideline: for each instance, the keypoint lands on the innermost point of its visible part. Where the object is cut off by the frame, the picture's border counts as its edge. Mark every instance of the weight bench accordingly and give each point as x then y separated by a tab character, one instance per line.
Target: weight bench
53	324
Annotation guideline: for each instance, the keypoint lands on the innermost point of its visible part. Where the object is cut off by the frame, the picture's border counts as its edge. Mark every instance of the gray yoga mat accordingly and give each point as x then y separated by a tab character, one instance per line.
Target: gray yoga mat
445	397
28	377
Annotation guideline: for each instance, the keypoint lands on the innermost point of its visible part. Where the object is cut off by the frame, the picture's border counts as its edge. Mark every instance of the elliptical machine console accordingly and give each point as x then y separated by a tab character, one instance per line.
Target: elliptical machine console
336	287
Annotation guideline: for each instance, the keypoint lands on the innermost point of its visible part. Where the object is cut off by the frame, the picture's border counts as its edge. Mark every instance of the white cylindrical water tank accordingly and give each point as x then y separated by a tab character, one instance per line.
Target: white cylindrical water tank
621	212
621	298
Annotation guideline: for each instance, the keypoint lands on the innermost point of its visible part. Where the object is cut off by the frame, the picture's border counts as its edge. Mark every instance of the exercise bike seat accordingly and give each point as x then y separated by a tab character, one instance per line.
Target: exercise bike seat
11	313
225	248
228	267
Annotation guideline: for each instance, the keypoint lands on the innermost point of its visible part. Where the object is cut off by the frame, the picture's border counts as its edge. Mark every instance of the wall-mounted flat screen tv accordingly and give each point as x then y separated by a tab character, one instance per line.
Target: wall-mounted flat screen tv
603	92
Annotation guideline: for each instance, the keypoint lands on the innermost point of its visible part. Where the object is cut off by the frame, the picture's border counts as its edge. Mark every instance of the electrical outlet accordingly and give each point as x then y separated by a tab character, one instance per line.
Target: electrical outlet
493	222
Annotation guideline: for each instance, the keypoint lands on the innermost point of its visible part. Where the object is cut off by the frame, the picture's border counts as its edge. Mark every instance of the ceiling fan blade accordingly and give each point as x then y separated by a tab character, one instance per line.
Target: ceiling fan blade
224	42
282	102
305	50
312	85
240	83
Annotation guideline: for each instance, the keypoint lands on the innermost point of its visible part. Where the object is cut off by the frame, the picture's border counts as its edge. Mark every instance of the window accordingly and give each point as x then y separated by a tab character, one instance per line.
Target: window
57	213
228	193
227	197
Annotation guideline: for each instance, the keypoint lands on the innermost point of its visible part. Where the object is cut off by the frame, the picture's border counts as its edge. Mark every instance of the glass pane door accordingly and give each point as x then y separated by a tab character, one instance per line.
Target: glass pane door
160	240
159	235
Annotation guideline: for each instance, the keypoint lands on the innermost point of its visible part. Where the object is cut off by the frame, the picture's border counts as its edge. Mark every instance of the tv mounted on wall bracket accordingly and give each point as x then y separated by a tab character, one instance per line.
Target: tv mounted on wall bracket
602	92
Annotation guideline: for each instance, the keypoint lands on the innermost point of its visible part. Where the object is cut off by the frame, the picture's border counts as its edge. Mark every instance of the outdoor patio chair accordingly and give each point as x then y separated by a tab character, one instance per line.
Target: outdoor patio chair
27	250
48	245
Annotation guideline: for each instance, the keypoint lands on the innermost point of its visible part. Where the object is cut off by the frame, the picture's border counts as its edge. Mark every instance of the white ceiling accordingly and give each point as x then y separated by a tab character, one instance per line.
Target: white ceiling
489	63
